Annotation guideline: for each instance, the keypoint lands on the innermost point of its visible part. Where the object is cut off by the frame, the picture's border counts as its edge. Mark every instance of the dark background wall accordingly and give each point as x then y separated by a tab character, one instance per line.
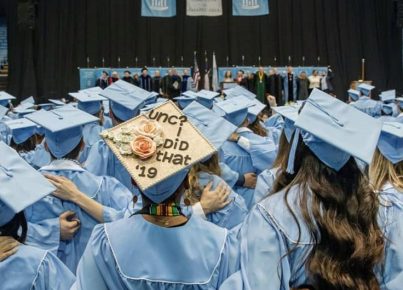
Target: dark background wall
43	59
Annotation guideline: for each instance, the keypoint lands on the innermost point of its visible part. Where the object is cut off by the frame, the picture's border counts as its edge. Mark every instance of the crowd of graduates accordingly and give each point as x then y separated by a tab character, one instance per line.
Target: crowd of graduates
305	195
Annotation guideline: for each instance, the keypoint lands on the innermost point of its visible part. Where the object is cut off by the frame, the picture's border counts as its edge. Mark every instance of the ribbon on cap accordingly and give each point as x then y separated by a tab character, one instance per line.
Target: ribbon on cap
293	150
6	171
320	108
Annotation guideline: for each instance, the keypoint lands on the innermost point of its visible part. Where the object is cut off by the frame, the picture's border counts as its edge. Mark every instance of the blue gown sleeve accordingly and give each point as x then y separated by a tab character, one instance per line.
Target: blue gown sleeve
264	184
230	176
53	274
120	199
230	256
98	159
263	152
392	272
264	260
93	271
44	234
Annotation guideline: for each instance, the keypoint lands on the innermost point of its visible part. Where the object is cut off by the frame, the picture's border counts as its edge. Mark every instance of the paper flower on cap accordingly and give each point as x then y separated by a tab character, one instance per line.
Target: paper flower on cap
141	140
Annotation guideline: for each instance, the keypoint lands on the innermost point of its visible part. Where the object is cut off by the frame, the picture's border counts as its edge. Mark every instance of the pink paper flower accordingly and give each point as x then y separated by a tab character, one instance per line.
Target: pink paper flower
143	147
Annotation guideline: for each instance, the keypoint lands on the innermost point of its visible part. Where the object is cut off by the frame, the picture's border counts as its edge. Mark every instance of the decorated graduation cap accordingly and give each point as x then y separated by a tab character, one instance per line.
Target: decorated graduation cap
123	106
335	131
238	91
63	128
5	98
20	130
21	185
158	148
388	96
289	114
365	89
214	127
391	141
206	98
354	94
234	110
90	103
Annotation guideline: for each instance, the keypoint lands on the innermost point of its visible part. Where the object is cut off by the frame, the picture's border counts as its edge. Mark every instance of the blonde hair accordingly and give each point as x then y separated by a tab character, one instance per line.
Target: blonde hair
382	171
211	166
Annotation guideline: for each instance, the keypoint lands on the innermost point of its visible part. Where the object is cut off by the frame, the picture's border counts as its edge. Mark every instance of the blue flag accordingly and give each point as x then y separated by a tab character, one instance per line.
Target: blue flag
158	8
250	7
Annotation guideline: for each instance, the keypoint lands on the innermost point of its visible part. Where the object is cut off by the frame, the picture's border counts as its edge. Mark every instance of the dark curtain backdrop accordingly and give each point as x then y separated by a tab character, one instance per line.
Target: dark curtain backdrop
43	61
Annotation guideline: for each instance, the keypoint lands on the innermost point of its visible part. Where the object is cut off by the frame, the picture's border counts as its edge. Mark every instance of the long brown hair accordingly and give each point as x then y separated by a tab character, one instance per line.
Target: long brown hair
341	216
383	171
257	128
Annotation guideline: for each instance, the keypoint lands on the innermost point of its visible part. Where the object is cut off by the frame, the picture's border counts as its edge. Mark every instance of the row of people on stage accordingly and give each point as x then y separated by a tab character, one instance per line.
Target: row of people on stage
171	85
123	189
286	86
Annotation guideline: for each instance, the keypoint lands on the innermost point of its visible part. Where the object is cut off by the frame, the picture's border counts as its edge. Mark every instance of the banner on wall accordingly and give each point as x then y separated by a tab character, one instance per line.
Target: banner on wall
250	7
158	8
204	7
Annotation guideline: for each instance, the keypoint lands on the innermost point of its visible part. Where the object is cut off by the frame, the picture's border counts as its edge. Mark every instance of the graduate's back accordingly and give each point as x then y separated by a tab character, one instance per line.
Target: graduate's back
136	254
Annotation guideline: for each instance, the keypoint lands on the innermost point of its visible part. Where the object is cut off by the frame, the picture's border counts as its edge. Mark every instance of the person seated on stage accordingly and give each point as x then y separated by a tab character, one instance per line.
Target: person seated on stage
23	266
228	77
103	80
156	83
63	222
244	152
175	85
91	104
365	103
240	79
145	80
302	86
127	77
323	203
136	80
169	249
185	81
113	78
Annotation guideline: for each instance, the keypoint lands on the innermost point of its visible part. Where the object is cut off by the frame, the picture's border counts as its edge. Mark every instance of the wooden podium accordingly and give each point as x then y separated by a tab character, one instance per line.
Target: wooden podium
354	84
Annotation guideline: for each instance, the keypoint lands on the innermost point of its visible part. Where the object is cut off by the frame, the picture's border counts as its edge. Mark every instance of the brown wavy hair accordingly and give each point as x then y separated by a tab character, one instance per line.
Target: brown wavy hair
383	171
341	216
257	128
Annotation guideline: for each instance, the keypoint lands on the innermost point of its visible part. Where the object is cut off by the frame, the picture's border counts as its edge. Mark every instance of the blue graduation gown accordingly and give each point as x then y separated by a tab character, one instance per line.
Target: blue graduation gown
38	157
135	254
264	184
270	231
102	161
368	106
34	269
109	192
90	136
230	176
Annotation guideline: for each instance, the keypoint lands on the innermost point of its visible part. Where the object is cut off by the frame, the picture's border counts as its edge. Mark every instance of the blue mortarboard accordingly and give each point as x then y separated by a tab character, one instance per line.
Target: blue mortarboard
234	110
3	111
388	96
215	128
129	89
190	94
57	102
390	109
151	106
335	131
46	106
184	101
21	185
24	108
400	101
365	89
94	90
206	98
391	141
255	107
21	129
354	94
90	103
29	100
289	114
5	98
239	91
124	107
63	128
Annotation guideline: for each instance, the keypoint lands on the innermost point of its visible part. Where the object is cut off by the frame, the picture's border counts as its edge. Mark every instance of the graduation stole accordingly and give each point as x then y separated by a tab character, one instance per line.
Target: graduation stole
172	209
260	75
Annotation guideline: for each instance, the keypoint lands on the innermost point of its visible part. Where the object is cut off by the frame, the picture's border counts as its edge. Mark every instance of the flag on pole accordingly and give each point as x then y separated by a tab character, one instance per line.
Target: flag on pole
196	75
215	83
